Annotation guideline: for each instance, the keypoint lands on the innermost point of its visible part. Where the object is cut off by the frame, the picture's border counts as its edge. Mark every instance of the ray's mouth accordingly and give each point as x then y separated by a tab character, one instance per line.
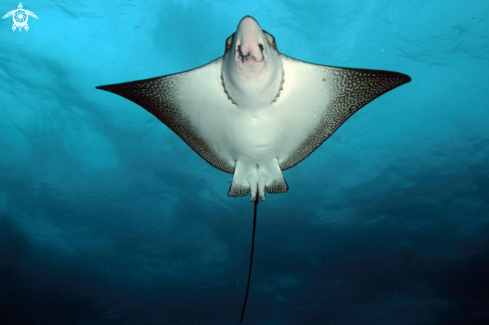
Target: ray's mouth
249	58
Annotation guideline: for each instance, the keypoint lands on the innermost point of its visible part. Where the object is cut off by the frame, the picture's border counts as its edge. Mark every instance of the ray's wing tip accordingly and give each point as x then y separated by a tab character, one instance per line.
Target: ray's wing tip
405	78
109	88
400	78
105	87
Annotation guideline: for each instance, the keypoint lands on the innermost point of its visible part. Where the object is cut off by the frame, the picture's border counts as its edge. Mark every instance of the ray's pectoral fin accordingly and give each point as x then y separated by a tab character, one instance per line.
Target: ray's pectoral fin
342	90
177	101
251	178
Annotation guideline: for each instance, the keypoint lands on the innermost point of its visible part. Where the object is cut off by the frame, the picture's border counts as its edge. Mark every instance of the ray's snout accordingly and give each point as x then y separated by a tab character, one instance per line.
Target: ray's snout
250	41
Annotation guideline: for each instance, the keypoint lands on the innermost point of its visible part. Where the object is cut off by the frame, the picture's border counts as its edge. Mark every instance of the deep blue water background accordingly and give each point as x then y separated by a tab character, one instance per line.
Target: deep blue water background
107	217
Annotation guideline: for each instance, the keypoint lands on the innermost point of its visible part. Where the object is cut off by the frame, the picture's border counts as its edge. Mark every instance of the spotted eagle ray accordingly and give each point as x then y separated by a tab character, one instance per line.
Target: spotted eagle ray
255	112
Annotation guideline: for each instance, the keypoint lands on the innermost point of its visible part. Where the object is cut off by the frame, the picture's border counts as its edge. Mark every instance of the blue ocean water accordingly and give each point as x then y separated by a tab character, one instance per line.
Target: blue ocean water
107	217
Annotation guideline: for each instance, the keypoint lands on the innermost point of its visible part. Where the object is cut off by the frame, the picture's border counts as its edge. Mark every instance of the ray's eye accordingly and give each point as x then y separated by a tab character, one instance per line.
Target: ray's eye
261	46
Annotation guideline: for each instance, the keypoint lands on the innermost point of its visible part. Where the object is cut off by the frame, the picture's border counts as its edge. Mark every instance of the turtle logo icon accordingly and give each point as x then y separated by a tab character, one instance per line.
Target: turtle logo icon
20	17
